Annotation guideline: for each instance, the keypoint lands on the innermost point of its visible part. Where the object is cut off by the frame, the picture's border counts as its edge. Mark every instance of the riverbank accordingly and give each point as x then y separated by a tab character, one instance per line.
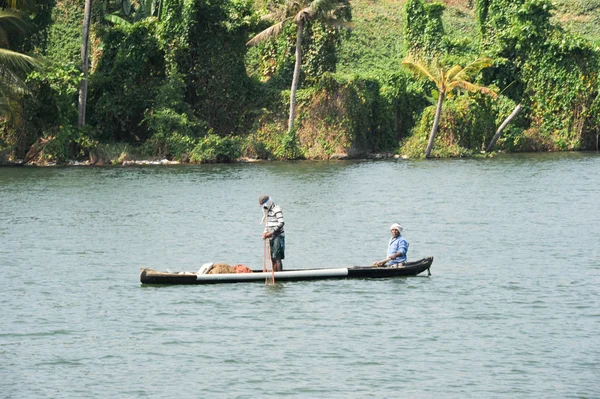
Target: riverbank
120	161
241	160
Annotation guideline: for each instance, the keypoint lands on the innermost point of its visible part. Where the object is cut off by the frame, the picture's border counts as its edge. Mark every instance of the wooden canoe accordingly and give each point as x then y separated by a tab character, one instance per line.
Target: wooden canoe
150	276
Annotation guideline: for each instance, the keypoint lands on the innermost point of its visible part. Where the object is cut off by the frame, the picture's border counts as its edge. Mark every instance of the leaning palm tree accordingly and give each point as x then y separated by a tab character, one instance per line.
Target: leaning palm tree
12	64
299	12
446	81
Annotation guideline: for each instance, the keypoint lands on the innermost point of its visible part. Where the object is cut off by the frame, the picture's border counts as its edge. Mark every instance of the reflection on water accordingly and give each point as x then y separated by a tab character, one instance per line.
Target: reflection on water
510	310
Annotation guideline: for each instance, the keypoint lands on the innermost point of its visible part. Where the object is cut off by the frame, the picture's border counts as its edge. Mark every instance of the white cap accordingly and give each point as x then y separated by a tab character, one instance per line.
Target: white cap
397	227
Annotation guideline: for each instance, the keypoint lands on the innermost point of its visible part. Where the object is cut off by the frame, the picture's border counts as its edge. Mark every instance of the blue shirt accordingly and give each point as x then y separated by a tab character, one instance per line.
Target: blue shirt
397	244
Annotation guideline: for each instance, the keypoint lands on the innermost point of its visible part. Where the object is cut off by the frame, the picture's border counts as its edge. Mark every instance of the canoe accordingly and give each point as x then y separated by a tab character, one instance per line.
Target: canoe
150	276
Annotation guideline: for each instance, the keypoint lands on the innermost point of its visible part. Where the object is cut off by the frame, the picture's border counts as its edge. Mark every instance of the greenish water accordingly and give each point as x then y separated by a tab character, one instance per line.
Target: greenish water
512	308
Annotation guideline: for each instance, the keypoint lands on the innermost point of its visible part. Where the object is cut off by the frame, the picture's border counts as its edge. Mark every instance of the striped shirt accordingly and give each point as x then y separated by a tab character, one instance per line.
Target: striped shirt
275	221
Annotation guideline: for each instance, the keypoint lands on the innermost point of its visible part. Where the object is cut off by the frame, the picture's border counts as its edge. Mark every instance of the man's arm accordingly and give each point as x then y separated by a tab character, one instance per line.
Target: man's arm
402	248
280	222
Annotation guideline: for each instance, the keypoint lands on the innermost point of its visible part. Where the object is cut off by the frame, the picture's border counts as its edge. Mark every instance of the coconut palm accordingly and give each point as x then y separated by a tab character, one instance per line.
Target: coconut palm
12	63
83	85
446	81
299	12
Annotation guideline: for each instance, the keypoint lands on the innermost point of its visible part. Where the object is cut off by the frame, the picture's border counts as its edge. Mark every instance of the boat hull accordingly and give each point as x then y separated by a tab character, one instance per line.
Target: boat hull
150	276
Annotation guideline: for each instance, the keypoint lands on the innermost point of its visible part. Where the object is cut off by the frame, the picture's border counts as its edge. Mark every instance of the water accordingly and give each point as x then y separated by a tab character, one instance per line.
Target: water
512	308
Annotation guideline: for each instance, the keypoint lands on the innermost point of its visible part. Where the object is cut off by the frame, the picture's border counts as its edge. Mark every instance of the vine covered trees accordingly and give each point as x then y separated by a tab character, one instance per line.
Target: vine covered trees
423	29
300	13
177	79
554	73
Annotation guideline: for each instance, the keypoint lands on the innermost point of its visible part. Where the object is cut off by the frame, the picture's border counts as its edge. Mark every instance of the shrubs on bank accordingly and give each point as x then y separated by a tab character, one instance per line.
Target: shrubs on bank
176	88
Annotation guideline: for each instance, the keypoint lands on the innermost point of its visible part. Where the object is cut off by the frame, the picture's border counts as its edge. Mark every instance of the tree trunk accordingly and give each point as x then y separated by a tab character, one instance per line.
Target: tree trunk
436	124
296	76
83	86
512	116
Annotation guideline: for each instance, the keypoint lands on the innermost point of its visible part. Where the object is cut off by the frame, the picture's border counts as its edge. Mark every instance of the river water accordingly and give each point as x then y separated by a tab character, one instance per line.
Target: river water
512	309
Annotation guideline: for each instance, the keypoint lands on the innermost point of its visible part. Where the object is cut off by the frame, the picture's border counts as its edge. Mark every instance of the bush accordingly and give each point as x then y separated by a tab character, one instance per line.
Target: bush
213	148
174	135
253	147
126	82
68	143
466	126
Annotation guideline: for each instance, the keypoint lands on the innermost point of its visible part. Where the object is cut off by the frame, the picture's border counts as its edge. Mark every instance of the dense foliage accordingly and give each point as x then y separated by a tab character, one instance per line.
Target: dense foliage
176	80
424	29
554	73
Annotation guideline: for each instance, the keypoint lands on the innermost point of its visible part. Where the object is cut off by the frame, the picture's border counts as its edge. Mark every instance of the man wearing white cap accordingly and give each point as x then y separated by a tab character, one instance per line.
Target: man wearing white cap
397	249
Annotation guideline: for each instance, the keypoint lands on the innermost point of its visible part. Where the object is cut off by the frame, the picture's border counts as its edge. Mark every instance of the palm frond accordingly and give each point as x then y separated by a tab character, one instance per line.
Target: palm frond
488	91
13	60
472	87
268	33
12	89
474	67
9	22
419	68
116	20
14	19
452	72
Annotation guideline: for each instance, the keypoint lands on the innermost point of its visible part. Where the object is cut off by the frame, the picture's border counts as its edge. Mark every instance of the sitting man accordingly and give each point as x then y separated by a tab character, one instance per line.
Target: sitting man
397	249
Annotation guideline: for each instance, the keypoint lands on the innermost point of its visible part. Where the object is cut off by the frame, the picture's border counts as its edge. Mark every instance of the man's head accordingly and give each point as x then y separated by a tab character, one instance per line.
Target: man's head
264	201
396	229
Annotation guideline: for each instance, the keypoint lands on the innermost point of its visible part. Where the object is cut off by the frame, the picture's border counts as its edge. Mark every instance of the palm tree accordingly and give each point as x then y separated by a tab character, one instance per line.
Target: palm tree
509	119
446	81
299	12
12	63
83	85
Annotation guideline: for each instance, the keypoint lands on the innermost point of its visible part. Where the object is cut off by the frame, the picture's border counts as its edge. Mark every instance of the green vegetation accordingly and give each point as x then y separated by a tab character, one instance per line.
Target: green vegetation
446	81
581	17
176	79
301	13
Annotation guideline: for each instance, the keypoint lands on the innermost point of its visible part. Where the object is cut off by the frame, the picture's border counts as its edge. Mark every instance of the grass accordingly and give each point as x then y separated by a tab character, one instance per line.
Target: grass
581	17
376	44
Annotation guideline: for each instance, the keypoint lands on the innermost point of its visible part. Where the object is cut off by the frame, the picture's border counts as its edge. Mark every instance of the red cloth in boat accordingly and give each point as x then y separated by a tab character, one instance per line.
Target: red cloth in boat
242	269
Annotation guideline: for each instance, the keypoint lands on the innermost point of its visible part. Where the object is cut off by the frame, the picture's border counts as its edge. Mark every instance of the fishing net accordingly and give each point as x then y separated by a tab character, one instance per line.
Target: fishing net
221	268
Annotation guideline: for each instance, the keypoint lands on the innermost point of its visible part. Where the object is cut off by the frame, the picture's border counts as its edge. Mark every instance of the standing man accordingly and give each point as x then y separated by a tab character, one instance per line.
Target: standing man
273	221
397	249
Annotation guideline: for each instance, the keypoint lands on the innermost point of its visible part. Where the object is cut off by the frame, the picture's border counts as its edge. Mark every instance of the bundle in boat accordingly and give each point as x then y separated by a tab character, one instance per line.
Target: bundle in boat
221	268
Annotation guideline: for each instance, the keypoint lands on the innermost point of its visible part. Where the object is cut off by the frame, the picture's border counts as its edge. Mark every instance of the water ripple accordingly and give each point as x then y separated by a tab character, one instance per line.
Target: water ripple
507	312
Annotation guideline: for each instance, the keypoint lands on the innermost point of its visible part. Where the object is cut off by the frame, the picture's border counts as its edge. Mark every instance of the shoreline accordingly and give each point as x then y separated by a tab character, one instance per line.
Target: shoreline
335	157
158	162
